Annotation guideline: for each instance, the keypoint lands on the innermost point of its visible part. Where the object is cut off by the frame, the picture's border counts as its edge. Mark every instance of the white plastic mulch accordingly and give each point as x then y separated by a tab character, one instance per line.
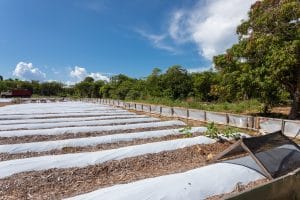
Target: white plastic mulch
52	108
74	130
199	183
69	119
81	114
75	124
4	100
11	167
90	141
55	111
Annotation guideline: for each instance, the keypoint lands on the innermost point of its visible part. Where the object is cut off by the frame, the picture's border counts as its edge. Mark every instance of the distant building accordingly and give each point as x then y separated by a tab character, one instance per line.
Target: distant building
16	93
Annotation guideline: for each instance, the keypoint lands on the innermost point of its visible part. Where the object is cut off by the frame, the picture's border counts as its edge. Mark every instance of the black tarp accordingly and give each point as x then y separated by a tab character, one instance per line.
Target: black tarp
273	155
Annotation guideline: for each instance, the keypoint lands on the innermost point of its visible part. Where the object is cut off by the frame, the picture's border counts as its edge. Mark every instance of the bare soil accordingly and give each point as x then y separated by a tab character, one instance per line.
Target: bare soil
285	110
59	183
65	150
38	138
2	104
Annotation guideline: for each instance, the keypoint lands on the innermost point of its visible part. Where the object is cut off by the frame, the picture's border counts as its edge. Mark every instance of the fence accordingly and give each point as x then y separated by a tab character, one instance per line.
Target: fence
267	125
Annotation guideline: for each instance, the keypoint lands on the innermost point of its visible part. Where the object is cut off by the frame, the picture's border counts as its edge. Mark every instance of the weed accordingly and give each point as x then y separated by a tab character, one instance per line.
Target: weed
247	106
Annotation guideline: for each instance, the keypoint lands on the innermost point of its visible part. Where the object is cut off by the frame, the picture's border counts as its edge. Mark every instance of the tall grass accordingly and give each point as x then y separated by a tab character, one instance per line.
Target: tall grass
240	107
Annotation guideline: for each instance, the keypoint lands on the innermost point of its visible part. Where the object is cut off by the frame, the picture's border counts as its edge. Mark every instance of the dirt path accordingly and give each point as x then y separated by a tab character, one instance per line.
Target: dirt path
2	104
58	183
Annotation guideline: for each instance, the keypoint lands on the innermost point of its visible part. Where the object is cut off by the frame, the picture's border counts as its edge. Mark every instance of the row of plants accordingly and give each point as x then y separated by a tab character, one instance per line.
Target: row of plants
214	132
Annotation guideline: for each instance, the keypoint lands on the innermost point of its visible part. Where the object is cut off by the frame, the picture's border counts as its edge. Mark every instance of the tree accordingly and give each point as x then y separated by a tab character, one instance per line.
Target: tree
176	83
120	86
104	91
154	83
88	79
96	87
266	59
51	88
36	87
202	85
138	90
84	89
1	78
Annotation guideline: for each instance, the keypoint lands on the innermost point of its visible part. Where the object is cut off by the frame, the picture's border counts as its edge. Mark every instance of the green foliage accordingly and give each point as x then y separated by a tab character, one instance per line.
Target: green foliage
203	84
245	107
212	130
186	131
38	89
51	88
88	79
230	132
89	88
176	83
154	84
265	62
260	71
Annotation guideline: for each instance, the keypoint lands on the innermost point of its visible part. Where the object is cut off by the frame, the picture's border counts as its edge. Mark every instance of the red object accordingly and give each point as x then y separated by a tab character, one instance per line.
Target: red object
17	93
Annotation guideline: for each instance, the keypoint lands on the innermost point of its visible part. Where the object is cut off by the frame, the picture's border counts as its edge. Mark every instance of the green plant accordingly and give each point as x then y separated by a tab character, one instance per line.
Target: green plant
212	130
230	132
187	131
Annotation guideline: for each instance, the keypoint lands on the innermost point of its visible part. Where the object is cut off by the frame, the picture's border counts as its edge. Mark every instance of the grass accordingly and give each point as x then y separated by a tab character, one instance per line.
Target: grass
240	107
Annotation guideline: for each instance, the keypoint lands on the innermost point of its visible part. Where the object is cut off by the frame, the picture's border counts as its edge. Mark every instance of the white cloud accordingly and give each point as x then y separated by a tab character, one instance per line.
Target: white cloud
98	76
198	69
79	73
27	71
210	25
158	41
69	83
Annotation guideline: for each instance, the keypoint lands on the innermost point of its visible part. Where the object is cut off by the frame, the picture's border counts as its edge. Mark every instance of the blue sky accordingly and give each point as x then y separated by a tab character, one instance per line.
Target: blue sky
67	40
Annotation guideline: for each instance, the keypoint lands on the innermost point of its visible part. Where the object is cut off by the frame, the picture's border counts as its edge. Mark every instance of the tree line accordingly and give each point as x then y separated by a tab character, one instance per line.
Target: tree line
263	65
176	84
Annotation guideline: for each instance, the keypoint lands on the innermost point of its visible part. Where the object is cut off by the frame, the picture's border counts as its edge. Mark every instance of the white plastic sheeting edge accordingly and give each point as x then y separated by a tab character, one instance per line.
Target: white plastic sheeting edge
108	112
75	124
8	168
71	119
5	100
62	110
199	183
51	107
90	141
74	130
45	110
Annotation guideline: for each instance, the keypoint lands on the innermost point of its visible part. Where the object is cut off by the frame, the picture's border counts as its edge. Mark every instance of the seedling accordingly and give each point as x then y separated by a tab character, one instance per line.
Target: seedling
230	132
212	131
187	131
